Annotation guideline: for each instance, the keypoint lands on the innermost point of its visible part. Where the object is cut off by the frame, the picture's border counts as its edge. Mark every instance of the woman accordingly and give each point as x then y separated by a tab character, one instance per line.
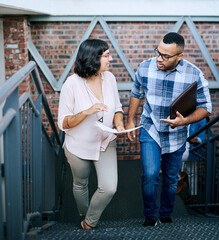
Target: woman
90	95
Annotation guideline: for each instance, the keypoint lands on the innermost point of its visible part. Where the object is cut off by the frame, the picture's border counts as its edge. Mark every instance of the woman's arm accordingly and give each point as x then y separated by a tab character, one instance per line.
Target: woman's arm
73	120
118	121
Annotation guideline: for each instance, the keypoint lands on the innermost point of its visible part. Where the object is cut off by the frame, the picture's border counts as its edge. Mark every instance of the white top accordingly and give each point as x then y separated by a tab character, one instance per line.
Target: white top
86	140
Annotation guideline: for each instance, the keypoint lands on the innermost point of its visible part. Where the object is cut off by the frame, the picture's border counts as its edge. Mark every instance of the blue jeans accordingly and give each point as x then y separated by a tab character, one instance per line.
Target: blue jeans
151	162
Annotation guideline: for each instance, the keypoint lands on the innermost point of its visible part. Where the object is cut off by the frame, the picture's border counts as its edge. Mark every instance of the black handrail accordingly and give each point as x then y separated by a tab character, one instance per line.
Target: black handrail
39	86
206	126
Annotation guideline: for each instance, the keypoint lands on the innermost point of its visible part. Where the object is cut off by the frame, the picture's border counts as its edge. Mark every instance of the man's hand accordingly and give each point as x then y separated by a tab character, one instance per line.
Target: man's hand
194	140
178	121
131	135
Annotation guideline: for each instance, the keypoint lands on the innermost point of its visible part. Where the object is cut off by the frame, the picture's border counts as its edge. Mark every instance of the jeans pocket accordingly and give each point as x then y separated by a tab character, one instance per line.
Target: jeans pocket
143	135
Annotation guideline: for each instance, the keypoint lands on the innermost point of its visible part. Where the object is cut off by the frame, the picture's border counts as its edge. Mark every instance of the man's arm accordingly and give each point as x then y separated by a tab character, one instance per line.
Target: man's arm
196	116
133	106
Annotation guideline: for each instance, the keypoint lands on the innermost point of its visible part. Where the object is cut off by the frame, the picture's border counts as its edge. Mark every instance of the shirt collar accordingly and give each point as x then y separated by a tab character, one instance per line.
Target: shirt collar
179	67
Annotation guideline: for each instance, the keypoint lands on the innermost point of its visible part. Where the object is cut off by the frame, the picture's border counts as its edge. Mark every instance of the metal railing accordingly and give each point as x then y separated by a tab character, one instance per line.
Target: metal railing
31	158
206	170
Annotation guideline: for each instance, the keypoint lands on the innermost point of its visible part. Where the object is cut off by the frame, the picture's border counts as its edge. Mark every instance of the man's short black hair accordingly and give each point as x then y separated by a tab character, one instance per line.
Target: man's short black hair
173	37
87	62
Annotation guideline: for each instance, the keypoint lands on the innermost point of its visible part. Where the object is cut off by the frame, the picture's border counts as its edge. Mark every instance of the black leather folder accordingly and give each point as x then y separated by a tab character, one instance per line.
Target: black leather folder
185	103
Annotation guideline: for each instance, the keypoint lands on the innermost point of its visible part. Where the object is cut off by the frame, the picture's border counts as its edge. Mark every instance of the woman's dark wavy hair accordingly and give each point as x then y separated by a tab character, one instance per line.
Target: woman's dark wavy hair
87	62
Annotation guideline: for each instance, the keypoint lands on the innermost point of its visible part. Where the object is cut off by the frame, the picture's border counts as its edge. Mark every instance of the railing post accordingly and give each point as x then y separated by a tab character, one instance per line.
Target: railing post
1	210
210	171
59	168
37	163
13	171
213	168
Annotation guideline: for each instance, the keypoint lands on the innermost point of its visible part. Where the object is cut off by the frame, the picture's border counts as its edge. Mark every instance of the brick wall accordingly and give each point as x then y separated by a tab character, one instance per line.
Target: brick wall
15	42
57	41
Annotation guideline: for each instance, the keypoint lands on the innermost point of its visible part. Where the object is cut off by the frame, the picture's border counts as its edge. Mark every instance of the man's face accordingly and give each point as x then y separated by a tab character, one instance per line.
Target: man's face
168	50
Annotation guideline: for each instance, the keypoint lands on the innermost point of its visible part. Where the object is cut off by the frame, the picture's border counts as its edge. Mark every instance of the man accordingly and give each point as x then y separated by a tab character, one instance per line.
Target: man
161	80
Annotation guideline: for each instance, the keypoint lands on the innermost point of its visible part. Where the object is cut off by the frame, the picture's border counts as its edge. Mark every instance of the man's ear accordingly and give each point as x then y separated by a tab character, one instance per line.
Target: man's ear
180	56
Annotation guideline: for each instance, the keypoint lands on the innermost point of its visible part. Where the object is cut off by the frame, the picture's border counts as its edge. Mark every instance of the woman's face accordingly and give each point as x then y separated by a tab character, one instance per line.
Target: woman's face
105	61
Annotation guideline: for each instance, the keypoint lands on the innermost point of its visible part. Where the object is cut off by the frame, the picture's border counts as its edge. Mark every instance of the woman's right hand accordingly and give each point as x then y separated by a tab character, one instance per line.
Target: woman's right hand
97	107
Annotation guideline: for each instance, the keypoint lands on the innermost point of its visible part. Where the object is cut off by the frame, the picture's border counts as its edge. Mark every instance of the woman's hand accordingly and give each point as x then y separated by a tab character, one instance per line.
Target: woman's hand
120	128
118	121
97	107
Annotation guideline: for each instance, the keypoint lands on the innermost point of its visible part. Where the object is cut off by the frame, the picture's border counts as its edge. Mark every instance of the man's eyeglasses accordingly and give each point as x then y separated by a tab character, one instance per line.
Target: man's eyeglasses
164	56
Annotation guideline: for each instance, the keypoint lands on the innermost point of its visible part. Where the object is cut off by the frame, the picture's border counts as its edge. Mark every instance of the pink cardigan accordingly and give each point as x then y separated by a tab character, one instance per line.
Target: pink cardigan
86	140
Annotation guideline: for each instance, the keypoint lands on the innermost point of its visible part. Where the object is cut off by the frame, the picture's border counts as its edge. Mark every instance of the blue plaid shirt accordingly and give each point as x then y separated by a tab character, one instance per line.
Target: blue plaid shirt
160	88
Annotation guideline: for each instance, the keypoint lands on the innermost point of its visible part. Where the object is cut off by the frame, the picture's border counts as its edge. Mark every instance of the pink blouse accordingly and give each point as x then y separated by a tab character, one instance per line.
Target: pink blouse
86	140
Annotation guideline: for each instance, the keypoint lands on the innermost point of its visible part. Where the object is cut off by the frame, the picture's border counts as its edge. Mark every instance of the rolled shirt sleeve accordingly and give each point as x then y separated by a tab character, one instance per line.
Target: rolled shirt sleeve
203	95
137	89
66	105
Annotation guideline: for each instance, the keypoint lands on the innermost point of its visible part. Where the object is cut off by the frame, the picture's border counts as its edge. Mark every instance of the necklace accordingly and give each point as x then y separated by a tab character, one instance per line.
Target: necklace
102	100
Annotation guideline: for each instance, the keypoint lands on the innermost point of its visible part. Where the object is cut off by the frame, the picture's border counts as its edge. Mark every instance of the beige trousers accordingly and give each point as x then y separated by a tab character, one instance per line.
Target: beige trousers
107	177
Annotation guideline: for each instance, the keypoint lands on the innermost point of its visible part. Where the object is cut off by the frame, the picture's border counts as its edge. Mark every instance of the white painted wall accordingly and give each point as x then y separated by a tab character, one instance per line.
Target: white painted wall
136	7
114	7
25	6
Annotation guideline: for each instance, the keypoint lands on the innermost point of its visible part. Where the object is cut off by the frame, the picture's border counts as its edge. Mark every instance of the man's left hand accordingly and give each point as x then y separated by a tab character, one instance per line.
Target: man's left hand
178	121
